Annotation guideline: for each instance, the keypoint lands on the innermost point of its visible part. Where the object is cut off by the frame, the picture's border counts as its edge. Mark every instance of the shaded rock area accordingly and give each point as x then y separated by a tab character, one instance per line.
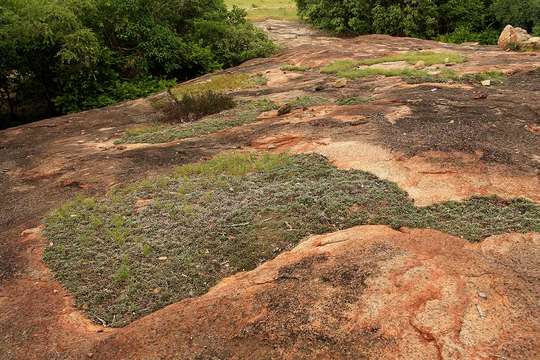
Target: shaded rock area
365	292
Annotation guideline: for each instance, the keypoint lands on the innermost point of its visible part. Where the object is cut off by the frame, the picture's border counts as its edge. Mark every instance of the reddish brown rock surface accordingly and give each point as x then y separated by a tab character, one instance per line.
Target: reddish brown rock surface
367	292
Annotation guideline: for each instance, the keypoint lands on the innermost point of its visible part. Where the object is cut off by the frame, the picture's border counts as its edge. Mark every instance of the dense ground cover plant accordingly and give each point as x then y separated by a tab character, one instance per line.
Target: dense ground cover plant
66	55
161	240
448	20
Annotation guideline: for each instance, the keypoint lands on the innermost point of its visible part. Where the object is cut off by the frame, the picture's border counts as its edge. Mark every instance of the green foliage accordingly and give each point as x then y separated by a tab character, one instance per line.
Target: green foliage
66	55
448	20
353	100
463	33
353	69
412	57
260	10
209	220
294	68
523	13
219	83
115	91
308	100
244	113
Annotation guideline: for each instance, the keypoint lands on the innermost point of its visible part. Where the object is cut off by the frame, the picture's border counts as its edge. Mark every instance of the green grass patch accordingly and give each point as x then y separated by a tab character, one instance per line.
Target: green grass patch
428	57
339	66
496	77
261	10
308	100
210	220
294	68
365	72
350	68
352	100
244	113
219	83
449	75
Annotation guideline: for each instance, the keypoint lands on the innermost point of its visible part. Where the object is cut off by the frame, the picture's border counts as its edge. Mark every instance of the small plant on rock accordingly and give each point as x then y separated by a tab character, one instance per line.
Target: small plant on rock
193	107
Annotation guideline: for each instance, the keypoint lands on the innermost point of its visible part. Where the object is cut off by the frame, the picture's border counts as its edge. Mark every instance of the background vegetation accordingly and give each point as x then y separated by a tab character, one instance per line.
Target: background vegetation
61	56
259	10
447	20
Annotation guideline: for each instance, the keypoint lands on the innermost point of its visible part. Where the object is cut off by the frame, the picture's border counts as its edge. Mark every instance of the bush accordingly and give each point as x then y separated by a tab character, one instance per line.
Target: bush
448	20
193	107
69	55
466	34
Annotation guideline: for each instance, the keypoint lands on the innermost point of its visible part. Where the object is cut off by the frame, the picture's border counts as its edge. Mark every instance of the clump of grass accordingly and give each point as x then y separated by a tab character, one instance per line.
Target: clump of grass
213	219
267	9
449	75
294	68
375	71
352	100
339	66
244	113
496	77
428	57
443	76
235	163
218	83
308	100
193	107
350	68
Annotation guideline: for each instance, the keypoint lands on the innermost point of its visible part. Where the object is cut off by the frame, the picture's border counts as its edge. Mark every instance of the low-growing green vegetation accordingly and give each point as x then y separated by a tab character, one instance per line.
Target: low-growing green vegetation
449	75
447	20
294	68
308	100
412	57
353	68
219	83
352	100
379	71
260	10
164	239
246	112
496	77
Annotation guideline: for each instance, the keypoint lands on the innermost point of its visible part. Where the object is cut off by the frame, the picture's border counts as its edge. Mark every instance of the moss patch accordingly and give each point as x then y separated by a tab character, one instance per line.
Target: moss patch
428	57
261	10
161	240
219	83
294	68
308	100
350	68
244	113
352	100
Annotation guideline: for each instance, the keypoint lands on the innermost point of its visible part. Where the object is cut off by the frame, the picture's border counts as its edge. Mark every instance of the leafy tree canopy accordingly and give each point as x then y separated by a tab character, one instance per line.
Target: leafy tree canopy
448	20
67	55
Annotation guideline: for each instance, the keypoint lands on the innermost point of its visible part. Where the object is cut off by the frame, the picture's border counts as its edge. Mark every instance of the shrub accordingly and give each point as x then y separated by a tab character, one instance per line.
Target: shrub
466	34
193	107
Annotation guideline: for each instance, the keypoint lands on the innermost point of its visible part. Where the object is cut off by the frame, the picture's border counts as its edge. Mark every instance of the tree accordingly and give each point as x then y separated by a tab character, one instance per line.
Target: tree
450	20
